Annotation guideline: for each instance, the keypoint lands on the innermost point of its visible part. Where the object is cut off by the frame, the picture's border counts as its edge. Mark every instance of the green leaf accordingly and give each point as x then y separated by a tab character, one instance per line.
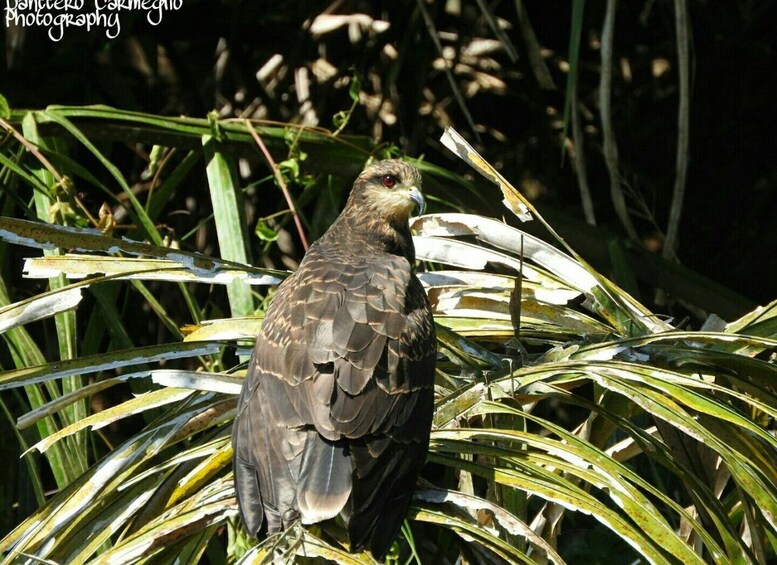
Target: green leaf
39	307
355	86
264	231
230	224
5	109
79	266
137	211
575	34
148	401
103	362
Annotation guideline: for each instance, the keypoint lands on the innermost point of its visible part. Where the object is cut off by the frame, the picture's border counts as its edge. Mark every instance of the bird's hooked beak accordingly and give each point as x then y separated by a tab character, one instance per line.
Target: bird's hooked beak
419	201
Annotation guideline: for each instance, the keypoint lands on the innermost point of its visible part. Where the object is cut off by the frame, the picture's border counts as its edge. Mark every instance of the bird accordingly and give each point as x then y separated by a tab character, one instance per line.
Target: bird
335	412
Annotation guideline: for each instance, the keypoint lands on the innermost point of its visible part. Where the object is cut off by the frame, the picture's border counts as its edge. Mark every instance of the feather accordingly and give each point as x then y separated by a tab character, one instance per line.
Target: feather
382	494
356	304
325	479
320	344
342	328
247	485
360	339
350	378
368	357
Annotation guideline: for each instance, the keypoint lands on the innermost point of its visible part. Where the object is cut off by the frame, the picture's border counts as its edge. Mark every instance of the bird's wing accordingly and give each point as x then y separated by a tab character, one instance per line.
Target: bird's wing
334	337
386	465
266	458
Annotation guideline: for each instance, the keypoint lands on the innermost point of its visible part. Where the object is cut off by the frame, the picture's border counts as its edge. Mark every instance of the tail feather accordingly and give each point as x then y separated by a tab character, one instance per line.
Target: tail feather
382	493
324	479
246	481
266	484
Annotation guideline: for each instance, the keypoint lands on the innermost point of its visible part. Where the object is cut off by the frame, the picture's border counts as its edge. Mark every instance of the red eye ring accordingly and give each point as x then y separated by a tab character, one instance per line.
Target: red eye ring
389	181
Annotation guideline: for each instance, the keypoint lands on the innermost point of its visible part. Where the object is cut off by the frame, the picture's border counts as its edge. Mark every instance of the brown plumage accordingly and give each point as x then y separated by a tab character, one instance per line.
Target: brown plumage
336	407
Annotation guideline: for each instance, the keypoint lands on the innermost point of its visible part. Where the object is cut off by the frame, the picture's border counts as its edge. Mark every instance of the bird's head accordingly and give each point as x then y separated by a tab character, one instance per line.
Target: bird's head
389	190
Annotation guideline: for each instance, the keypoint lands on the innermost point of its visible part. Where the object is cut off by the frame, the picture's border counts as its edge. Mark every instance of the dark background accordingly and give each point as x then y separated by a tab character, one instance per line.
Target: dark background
206	57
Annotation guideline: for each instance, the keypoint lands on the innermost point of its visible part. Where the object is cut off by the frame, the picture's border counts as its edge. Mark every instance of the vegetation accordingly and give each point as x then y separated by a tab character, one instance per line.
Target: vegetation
574	423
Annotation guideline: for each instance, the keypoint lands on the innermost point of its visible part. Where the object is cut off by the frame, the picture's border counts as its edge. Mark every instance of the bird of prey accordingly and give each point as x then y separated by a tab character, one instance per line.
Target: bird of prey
336	408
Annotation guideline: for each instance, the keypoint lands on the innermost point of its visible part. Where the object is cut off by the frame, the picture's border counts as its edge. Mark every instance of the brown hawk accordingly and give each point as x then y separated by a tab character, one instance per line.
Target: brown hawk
336	408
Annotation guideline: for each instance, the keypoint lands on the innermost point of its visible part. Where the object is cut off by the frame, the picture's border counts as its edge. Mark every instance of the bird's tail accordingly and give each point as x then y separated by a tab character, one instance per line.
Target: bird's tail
324	479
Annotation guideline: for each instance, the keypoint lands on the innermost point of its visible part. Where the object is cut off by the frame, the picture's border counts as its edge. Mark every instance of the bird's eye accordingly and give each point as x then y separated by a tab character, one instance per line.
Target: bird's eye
389	181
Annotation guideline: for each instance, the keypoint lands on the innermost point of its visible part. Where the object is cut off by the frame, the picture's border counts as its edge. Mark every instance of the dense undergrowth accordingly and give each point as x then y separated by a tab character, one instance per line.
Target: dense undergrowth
570	423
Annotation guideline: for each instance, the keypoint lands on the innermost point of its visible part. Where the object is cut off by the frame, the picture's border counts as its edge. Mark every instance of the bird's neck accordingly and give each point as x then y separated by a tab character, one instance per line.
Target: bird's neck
372	234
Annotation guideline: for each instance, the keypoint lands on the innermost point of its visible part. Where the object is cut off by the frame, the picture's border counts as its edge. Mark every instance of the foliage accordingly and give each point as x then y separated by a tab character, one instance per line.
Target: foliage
568	416
504	73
